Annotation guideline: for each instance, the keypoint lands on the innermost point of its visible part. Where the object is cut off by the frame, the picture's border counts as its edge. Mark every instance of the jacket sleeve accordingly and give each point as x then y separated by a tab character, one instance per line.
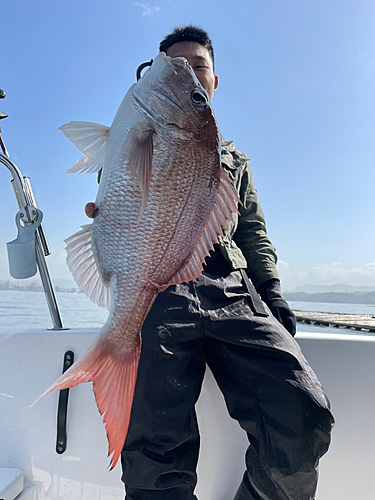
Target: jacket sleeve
251	235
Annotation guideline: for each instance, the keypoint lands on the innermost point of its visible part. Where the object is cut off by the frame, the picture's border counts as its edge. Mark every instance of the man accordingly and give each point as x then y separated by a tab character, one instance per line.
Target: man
220	320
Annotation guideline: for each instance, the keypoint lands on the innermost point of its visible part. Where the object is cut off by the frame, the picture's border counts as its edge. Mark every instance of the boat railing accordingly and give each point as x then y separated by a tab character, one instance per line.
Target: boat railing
28	214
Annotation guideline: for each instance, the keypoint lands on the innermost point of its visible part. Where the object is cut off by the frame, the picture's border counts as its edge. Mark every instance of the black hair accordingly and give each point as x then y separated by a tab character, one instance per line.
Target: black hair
188	33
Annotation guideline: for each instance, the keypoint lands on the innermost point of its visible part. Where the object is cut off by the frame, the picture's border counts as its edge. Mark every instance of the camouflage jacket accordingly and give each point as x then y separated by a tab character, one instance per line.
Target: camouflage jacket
246	244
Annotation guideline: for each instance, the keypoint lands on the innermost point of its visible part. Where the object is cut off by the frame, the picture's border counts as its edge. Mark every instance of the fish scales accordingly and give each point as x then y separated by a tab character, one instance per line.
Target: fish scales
171	191
161	191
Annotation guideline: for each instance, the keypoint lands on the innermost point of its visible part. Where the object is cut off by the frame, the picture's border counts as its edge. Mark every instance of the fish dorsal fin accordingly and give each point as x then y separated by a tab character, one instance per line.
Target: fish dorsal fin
80	260
225	204
91	139
138	147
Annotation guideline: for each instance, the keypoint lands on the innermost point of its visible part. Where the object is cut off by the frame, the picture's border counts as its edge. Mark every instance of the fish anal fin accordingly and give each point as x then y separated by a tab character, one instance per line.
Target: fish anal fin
114	379
139	147
81	263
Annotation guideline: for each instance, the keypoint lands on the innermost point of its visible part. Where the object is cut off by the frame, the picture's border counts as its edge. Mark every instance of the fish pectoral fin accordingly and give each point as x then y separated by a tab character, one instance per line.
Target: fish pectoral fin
139	147
80	260
114	380
91	139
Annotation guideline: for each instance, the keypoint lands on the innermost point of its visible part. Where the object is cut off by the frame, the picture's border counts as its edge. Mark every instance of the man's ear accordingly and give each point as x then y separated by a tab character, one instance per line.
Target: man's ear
216	83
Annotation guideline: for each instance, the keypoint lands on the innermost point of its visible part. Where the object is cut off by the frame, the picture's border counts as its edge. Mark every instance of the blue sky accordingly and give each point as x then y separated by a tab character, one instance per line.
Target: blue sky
296	94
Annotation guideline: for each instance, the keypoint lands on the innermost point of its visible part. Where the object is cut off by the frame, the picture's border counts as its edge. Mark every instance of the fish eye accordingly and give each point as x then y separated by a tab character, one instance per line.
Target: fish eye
198	98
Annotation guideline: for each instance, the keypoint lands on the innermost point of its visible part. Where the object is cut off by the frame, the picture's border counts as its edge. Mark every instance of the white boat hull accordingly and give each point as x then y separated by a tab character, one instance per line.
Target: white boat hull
31	361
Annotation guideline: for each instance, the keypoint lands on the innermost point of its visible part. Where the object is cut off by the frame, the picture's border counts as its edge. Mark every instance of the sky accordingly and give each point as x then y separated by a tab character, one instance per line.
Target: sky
296	95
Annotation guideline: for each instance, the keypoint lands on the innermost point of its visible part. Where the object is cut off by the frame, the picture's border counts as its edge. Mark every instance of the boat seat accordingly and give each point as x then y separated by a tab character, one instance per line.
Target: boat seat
11	483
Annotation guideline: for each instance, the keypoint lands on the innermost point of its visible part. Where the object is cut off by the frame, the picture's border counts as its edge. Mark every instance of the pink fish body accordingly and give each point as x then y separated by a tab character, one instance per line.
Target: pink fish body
162	200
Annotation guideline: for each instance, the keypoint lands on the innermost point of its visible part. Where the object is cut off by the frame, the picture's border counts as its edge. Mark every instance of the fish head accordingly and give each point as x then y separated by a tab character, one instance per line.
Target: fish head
171	93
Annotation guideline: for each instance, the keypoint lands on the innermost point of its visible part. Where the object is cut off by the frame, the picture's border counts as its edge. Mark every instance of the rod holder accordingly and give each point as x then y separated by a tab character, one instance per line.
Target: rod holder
25	197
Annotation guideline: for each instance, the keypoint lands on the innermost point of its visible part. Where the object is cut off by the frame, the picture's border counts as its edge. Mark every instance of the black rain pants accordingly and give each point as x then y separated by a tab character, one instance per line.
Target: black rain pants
268	386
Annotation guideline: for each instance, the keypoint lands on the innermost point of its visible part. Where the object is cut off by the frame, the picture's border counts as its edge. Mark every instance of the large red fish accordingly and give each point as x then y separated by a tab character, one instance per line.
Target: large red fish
162	200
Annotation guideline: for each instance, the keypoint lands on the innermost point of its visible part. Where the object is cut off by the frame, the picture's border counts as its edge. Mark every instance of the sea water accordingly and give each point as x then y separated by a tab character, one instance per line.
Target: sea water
28	310
25	310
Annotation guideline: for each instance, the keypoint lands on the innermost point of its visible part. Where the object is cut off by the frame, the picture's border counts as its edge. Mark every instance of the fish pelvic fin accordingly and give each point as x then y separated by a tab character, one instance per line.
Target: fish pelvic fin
81	263
224	206
91	139
114	378
139	147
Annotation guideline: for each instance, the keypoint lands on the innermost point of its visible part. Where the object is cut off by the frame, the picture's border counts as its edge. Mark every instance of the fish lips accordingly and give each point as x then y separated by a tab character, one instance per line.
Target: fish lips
163	63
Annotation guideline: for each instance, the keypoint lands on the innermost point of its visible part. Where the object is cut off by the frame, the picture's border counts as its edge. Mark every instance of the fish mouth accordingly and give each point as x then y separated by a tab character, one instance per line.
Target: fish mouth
169	64
178	63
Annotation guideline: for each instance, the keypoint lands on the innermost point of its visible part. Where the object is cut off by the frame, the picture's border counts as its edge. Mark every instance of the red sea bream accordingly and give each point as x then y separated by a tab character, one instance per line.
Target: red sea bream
162	200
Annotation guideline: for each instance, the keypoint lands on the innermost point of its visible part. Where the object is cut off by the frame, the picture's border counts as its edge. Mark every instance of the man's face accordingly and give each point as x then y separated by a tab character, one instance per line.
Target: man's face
200	60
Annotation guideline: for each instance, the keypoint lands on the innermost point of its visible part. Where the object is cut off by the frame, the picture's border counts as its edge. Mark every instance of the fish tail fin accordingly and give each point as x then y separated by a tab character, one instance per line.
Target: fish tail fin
114	379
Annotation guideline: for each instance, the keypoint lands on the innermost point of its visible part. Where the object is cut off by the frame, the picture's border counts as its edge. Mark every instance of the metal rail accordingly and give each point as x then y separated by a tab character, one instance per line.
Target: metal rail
25	198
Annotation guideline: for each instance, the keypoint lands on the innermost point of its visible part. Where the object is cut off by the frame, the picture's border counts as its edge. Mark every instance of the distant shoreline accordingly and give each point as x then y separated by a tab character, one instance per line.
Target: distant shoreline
365	298
40	289
332	297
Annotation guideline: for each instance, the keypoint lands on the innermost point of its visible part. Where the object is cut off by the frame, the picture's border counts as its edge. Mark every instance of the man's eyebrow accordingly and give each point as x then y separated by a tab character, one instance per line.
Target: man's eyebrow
200	58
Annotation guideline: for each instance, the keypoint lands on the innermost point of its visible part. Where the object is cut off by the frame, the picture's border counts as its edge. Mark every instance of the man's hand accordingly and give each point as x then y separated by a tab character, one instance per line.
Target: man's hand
270	291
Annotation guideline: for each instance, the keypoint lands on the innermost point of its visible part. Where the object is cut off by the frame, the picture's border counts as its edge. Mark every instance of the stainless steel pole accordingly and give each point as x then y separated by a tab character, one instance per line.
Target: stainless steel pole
30	196
25	197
